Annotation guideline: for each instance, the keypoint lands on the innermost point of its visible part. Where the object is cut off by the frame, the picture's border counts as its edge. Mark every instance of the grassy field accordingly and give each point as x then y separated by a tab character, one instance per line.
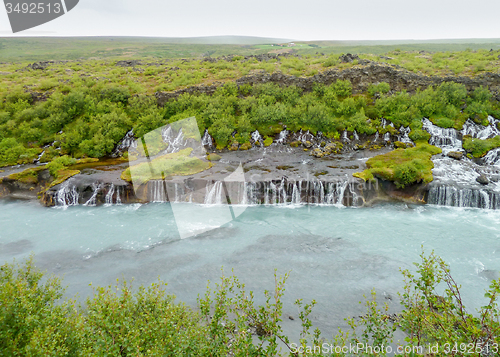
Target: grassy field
52	48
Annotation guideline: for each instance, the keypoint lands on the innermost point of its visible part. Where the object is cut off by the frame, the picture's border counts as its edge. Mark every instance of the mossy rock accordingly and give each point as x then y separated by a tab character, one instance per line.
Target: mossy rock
295	144
28	176
308	144
400	145
318	153
234	146
268	141
246	146
169	165
322	144
479	148
213	157
63	175
404	167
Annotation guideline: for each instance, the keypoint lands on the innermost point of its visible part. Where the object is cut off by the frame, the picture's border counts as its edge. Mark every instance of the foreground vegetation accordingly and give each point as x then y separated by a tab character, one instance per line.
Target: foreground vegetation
144	321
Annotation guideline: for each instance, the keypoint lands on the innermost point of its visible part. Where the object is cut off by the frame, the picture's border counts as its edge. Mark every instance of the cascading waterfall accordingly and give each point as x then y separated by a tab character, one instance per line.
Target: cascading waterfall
355	135
282	192
463	197
404	137
492	157
282	137
127	142
441	137
216	194
67	196
479	131
207	139
156	191
108	200
175	142
113	196
303	137
96	187
344	137
256	137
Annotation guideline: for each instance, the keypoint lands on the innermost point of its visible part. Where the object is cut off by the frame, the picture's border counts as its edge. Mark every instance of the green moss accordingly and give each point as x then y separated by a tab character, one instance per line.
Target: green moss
213	157
478	147
268	141
176	164
246	146
63	175
402	166
28	176
295	144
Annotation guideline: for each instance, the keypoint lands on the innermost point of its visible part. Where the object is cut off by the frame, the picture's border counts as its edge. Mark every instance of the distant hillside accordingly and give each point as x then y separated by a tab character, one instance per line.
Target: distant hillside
29	49
224	40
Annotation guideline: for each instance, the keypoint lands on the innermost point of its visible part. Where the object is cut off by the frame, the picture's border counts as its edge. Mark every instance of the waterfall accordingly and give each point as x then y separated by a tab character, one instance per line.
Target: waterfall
344	136
463	197
156	191
113	196
282	137
207	139
492	157
377	135
297	193
215	194
441	137
96	187
124	144
118	195
256	137
404	137
175	142
387	136
109	196
355	135
282	194
479	131
67	196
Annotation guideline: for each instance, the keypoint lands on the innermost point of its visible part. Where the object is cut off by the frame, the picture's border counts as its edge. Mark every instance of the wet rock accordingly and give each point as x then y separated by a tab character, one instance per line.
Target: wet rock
482	179
457	155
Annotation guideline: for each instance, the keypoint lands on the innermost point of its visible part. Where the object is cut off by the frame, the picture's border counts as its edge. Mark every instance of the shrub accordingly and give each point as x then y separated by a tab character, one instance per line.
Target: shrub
60	163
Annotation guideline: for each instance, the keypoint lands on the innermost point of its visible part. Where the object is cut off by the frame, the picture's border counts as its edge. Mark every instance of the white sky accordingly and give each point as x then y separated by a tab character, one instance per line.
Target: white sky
292	19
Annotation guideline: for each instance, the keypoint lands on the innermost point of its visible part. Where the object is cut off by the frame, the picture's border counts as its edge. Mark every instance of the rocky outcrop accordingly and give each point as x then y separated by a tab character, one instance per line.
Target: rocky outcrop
361	78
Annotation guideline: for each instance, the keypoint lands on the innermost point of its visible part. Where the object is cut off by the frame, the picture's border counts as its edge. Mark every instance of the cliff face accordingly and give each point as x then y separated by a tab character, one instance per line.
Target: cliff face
361	78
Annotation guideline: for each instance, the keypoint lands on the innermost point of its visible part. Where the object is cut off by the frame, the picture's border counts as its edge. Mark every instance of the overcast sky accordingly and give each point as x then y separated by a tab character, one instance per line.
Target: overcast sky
292	19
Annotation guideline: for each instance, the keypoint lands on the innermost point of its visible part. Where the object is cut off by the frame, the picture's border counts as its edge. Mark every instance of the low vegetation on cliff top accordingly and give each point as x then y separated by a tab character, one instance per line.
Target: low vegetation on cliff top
125	321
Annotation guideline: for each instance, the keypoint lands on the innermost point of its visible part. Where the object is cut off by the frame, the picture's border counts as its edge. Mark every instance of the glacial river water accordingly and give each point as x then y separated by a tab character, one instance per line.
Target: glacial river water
335	255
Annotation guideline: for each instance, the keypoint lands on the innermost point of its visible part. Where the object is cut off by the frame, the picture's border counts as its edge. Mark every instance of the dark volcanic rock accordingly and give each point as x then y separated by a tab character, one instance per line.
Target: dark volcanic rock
40	65
130	63
361	78
483	180
348	58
